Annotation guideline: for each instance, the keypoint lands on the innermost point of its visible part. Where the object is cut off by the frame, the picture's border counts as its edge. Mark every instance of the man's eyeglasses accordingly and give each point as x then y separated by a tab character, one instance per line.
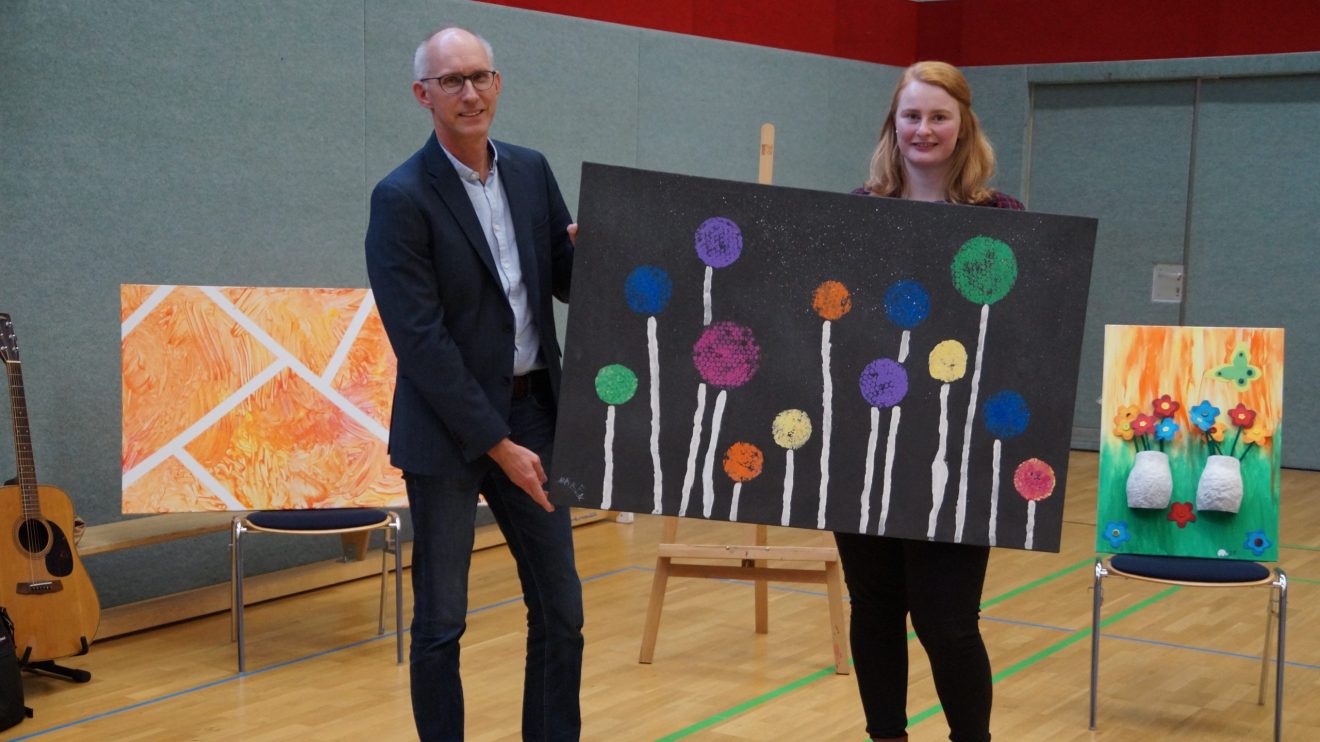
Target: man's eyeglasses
451	84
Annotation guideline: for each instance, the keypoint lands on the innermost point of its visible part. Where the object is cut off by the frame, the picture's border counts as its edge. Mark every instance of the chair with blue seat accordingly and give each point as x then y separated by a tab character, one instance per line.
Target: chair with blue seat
330	521
1201	572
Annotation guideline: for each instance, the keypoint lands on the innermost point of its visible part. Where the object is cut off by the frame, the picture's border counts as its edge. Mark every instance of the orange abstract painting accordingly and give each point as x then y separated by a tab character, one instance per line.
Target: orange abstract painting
255	399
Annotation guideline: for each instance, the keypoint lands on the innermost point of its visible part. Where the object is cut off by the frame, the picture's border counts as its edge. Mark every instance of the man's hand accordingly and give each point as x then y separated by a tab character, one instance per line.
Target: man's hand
572	233
523	467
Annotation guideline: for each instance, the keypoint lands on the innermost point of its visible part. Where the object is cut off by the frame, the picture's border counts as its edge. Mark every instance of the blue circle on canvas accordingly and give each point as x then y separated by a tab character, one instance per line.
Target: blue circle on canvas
1006	414
907	304
648	289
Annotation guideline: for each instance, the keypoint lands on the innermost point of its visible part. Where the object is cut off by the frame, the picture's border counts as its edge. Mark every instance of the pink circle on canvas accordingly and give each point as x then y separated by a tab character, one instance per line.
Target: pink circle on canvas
726	355
1034	479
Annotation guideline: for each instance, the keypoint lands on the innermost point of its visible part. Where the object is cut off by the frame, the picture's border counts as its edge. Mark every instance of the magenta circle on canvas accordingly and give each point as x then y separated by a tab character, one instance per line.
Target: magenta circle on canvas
726	355
883	382
718	242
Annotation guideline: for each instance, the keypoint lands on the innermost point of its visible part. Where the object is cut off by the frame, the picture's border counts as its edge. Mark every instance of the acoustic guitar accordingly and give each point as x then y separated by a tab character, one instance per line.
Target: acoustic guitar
43	585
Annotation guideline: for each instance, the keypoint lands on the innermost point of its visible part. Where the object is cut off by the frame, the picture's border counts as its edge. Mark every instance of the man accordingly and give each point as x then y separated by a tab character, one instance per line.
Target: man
468	241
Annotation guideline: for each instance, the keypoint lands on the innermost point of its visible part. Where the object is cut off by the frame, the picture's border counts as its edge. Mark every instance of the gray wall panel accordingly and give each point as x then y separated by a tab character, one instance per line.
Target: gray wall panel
162	142
1000	97
1119	152
702	103
1255	229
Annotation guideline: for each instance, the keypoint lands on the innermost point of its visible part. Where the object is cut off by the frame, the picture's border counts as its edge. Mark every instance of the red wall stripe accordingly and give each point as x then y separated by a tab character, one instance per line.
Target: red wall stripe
975	32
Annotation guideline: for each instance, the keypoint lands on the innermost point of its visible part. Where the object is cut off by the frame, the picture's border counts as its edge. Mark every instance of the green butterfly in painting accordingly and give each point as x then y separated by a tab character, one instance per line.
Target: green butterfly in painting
1238	371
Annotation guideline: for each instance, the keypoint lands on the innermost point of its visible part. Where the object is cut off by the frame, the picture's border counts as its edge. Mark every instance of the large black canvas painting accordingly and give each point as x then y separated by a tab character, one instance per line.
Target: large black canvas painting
773	355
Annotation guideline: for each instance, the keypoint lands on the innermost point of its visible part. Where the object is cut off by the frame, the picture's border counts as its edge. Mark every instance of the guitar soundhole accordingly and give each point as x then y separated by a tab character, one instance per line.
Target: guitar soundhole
33	537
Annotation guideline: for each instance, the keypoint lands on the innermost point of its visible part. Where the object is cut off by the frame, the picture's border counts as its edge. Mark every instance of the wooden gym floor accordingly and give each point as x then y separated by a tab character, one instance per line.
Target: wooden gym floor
1176	664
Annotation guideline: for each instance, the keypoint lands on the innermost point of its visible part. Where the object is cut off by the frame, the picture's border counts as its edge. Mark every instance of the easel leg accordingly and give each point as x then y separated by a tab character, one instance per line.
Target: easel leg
838	622
653	609
759	535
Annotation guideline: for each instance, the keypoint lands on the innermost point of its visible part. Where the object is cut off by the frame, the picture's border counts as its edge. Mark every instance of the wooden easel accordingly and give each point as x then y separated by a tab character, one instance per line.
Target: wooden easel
753	557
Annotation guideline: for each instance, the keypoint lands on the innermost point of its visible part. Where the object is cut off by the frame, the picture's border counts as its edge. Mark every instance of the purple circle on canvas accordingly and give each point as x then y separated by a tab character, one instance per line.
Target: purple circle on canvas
884	383
726	355
718	242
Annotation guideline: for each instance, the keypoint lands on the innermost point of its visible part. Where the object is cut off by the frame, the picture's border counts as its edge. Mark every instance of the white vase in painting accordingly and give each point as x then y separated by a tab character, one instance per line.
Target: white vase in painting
1150	483
1220	487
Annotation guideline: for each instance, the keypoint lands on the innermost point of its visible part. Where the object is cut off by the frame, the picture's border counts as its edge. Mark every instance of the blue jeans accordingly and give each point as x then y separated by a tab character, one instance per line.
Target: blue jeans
443	509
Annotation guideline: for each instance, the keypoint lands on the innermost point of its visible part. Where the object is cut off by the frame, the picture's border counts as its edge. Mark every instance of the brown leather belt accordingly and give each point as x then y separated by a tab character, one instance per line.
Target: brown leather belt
522	385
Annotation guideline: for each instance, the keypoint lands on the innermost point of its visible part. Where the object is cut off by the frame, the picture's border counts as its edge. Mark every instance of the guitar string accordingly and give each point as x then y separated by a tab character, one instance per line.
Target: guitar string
26	487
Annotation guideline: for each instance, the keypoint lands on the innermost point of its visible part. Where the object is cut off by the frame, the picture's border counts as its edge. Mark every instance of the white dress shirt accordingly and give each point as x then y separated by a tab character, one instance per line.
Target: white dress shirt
492	207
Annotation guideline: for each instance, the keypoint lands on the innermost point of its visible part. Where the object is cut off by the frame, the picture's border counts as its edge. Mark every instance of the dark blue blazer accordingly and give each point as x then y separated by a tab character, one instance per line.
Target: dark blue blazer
440	298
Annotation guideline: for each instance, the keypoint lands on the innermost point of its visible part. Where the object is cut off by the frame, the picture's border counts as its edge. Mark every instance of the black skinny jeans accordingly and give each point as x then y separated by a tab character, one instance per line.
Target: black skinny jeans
940	585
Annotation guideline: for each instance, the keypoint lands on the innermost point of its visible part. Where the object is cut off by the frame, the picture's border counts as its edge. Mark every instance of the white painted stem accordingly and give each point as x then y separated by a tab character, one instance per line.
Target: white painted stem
826	421
994	490
788	487
693	447
939	466
708	471
960	512
1031	522
733	508
653	346
705	297
890	446
607	488
869	477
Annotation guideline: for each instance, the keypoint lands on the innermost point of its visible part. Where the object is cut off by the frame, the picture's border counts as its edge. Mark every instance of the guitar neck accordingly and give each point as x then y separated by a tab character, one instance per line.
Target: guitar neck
27	470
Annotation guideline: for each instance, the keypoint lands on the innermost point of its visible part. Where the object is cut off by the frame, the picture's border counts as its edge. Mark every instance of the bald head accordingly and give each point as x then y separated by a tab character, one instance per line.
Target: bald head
423	56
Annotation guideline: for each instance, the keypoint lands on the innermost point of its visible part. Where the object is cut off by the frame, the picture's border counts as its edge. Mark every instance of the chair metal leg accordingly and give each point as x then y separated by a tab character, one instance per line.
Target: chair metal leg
396	530
1271	614
1282	583
384	578
1096	599
236	581
233	538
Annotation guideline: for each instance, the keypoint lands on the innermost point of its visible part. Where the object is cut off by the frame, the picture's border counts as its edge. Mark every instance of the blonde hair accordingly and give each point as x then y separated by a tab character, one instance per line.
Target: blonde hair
973	161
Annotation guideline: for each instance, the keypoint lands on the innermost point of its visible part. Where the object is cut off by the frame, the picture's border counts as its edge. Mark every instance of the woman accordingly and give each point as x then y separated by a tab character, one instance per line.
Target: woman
931	149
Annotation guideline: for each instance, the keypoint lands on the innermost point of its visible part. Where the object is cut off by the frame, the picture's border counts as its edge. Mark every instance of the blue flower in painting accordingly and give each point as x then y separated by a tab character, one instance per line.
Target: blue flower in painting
648	289
1166	429
1203	415
1257	542
1116	532
1006	414
907	304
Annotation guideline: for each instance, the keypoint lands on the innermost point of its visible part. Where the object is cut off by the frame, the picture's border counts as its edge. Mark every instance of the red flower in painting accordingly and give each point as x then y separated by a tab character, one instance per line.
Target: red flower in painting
1181	513
1165	406
1241	416
1143	424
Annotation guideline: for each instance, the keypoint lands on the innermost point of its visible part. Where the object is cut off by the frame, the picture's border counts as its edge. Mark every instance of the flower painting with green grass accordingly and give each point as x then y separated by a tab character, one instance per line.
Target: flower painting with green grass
1191	442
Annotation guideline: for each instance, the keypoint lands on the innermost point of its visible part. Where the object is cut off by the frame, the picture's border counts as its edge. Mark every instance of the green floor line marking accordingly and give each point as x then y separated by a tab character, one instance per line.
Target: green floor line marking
728	713
1053	648
1299	546
754	702
1301	579
1037	583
